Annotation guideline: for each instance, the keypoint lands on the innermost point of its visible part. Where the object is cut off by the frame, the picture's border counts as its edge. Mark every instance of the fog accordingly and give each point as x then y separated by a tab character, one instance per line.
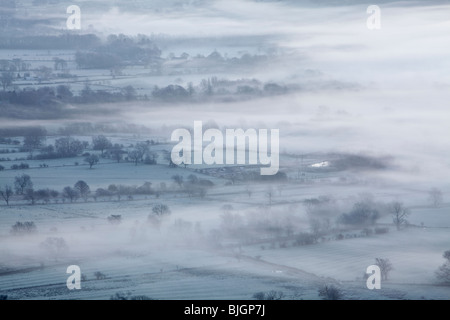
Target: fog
341	91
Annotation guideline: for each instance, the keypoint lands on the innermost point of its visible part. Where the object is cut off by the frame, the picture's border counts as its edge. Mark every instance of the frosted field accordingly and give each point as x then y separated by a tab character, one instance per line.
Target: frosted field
181	261
381	94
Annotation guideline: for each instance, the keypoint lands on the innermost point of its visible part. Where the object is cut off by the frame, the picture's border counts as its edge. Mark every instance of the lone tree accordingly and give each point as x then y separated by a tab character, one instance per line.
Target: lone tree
443	273
160	209
54	246
435	197
34	139
6	79
30	195
22	183
117	153
178	179
138	153
385	267
92	160
6	193
269	194
70	193
399	214
83	189
101	143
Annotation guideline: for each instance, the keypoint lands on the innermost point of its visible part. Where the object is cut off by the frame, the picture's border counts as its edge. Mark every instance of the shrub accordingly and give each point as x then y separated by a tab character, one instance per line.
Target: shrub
24	166
141	297
115	219
367	232
128	296
21	228
99	275
305	238
2	168
271	295
3	297
330	293
381	230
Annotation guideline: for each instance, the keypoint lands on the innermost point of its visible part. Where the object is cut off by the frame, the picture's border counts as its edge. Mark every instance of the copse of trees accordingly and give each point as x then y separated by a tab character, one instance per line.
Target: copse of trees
363	213
22	228
119	50
68	147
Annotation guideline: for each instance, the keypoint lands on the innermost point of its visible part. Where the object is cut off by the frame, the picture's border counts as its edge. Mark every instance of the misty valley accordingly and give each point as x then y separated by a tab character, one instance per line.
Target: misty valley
169	150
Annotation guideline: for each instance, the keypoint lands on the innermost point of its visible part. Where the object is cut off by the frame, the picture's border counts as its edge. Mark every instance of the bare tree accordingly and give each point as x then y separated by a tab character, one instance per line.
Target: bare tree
21	183
399	214
269	194
6	79
59	64
83	189
54	246
160	209
138	153
6	193
101	143
178	179
70	193
116	154
248	191
92	160
435	197
385	267
443	273
34	139
30	195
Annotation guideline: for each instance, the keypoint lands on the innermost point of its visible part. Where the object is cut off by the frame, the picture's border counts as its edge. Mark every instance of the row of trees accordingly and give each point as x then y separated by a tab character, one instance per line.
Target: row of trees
60	95
23	188
67	147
